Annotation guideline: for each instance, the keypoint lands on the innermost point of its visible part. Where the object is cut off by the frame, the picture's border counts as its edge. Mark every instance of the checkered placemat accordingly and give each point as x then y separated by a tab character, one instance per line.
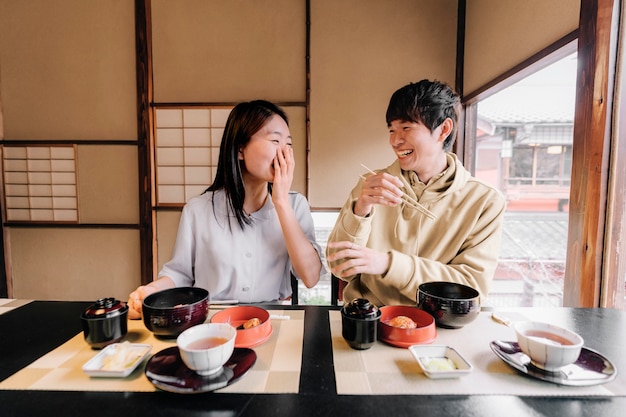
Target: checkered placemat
277	368
8	304
388	370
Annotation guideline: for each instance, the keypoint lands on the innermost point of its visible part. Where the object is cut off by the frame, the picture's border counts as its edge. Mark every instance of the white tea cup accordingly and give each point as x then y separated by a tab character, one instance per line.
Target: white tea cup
205	348
549	347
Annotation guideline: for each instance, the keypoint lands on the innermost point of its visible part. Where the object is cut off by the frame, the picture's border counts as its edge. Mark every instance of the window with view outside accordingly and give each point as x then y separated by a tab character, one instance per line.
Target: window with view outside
524	148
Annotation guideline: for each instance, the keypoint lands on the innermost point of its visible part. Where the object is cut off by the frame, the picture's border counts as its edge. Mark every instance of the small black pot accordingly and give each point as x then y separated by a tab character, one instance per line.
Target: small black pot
105	322
359	323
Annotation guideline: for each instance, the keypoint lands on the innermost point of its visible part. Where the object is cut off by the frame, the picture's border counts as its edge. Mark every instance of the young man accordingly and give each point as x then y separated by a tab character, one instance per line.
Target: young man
424	217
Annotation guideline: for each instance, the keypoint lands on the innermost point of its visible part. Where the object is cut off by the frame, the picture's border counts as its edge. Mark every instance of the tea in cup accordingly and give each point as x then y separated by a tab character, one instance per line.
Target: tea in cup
549	347
205	348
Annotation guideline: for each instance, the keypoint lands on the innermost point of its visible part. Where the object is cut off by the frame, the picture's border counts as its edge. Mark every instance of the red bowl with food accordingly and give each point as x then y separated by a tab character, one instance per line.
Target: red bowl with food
253	324
405	326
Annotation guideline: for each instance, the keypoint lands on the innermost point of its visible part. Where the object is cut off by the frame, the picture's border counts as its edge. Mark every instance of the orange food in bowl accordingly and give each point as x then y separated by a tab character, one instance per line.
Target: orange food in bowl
424	331
253	322
402	322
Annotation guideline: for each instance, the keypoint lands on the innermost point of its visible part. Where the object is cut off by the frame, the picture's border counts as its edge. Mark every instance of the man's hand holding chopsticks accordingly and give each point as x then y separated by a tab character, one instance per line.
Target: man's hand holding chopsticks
378	188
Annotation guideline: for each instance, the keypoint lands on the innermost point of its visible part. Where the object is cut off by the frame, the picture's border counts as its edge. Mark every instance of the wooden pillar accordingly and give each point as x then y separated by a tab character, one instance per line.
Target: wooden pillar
590	159
143	45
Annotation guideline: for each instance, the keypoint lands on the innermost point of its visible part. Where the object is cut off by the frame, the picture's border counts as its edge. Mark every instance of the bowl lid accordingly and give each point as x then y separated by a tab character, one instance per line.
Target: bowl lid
360	308
105	307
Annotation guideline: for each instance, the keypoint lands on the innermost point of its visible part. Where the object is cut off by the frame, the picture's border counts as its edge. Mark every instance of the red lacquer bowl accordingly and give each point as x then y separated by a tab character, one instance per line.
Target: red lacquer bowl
425	332
237	316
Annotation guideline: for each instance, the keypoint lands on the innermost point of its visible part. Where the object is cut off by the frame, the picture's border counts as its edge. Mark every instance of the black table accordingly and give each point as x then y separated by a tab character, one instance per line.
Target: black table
33	330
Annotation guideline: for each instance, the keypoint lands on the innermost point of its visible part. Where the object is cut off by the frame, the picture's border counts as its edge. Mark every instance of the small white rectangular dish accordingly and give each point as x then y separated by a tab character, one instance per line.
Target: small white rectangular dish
117	360
440	361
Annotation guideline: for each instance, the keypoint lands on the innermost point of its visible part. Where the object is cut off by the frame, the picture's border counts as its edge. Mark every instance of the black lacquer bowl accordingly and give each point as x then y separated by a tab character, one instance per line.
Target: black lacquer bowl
169	312
452	305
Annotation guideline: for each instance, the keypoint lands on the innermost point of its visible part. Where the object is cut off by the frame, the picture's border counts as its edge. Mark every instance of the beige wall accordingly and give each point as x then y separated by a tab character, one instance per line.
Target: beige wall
228	50
166	235
67	72
361	52
73	264
67	69
494	26
108	185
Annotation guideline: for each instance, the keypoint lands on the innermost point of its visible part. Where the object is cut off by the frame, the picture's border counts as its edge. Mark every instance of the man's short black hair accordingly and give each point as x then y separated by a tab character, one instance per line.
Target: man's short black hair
426	102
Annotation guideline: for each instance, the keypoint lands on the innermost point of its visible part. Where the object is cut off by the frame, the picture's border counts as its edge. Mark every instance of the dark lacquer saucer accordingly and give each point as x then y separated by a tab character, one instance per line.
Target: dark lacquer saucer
166	371
591	368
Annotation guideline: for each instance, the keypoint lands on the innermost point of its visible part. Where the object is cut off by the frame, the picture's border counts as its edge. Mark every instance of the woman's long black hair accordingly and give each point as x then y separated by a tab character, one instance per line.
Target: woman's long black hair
243	121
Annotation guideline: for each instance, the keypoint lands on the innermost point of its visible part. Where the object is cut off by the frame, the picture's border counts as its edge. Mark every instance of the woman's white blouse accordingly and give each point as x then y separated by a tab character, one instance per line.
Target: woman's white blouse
249	265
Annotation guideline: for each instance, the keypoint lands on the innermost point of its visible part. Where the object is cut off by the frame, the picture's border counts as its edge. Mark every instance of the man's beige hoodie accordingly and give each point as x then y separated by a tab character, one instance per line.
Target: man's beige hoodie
461	245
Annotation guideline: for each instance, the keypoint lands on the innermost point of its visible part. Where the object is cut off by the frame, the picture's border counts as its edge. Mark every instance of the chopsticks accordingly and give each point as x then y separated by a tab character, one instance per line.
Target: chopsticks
224	302
408	200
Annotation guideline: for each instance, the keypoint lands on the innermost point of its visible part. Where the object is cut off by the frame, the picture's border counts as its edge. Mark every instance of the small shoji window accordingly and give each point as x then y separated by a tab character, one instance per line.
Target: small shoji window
40	183
187	151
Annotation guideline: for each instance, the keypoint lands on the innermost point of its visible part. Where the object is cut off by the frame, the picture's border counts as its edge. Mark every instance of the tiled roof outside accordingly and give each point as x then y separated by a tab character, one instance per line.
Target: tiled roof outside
534	236
550	134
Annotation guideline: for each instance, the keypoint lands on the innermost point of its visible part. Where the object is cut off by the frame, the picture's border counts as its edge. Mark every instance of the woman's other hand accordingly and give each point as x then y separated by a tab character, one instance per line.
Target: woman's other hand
135	299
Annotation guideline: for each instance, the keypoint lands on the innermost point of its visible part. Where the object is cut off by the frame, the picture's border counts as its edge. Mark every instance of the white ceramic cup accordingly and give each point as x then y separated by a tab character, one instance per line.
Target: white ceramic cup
549	347
205	348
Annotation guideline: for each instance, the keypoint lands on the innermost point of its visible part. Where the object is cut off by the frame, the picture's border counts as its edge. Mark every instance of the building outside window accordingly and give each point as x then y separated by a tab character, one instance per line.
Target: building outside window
524	147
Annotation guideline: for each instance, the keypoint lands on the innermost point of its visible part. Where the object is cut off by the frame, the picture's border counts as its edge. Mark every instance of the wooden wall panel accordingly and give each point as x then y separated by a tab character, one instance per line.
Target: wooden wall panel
74	264
361	52
228	50
68	69
107	184
167	227
499	34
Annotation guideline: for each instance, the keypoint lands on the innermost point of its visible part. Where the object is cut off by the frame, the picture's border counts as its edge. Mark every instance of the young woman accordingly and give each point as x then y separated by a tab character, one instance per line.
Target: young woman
244	236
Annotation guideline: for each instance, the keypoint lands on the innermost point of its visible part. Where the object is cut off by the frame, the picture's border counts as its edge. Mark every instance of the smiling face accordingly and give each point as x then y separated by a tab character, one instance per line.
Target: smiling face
417	148
259	153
